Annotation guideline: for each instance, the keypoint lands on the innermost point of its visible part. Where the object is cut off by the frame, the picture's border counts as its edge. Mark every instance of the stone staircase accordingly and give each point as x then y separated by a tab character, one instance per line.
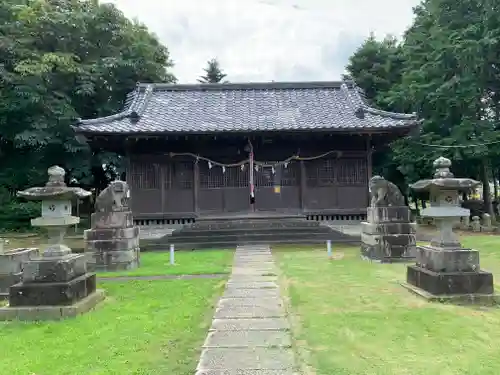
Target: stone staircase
231	232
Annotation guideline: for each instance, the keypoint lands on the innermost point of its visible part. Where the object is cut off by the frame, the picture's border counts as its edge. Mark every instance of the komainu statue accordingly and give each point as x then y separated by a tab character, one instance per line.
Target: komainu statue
112	243
384	193
388	235
114	198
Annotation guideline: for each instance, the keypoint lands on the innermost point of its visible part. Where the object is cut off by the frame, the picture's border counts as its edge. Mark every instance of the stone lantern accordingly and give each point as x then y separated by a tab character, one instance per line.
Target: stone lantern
445	270
56	283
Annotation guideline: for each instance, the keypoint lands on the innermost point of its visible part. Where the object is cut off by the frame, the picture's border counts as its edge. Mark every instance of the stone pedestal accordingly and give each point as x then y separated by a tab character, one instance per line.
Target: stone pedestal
388	235
51	282
11	267
113	242
52	288
448	273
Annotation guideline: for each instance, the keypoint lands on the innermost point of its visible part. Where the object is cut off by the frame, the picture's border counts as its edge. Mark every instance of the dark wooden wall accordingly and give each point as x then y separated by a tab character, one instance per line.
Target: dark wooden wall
174	187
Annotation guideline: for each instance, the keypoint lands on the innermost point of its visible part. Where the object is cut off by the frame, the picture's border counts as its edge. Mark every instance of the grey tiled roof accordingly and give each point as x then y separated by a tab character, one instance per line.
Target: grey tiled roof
247	107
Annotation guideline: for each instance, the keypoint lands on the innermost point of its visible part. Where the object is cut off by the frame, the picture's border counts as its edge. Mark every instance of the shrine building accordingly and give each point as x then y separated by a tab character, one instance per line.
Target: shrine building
208	150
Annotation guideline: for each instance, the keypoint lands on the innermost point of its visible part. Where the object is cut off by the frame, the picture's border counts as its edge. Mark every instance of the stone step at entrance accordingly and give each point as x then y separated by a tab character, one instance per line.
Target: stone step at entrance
228	233
250	332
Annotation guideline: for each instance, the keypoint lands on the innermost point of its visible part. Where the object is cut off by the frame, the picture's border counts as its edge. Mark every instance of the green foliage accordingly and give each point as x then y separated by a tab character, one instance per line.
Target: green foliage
446	70
61	60
15	216
213	73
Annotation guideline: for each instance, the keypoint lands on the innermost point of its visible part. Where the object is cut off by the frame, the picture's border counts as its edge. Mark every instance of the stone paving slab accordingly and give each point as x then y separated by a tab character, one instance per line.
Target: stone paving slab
259	324
246	358
252	285
235	312
254	264
256	293
251	260
252	278
247	372
270	302
255	272
243	339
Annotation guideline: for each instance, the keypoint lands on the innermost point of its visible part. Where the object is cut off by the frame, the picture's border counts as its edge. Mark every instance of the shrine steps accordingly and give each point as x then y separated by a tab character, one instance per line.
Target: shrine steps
217	233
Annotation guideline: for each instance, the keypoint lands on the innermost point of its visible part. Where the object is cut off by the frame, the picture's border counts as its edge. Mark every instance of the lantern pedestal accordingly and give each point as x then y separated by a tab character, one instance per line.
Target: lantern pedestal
11	267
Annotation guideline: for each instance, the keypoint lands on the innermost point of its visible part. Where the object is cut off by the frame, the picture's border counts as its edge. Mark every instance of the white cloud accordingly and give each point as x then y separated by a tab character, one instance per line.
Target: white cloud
263	40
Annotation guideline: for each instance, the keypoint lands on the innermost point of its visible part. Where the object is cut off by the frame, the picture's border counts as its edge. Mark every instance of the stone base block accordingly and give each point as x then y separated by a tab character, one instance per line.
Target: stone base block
388	248
113	260
482	299
53	270
11	261
110	234
400	214
37	313
450	283
52	294
388	228
116	244
109	220
439	260
6	281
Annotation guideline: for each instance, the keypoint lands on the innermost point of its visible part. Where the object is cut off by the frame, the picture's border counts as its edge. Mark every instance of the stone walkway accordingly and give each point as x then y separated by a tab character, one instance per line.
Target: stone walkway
250	334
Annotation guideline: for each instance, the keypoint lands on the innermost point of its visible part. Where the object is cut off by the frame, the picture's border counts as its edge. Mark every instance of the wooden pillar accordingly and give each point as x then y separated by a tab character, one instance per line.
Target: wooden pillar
303	185
196	186
163	180
369	164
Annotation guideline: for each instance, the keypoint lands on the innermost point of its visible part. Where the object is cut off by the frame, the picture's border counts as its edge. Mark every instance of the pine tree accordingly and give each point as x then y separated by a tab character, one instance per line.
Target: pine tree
213	73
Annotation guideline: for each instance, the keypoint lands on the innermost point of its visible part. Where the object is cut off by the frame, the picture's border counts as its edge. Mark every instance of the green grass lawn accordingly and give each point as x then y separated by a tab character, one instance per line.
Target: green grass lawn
352	317
152	263
143	327
186	263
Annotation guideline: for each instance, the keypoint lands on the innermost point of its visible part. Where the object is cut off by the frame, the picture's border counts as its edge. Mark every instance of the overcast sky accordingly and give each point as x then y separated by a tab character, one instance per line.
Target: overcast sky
264	40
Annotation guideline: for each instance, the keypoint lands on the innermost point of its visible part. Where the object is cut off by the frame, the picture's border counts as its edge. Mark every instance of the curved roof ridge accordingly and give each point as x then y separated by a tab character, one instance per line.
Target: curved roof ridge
394	115
243	85
132	109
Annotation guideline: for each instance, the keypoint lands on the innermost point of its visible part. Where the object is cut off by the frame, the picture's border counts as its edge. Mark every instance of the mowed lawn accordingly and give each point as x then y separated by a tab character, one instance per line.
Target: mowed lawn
154	263
186	263
352	317
143	327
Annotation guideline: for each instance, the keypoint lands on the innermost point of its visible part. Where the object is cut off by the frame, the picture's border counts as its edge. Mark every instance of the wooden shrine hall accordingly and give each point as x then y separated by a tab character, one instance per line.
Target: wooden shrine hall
203	150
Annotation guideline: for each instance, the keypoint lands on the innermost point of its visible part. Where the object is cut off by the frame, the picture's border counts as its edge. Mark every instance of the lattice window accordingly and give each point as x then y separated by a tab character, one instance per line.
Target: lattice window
144	175
352	172
182	175
212	178
320	173
290	174
264	176
235	177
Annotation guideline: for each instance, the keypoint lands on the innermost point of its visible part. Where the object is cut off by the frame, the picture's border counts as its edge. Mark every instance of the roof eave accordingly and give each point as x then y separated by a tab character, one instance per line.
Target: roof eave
411	125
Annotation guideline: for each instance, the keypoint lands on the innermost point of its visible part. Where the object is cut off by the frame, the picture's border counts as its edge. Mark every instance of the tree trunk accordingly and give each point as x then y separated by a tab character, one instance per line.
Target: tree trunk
486	189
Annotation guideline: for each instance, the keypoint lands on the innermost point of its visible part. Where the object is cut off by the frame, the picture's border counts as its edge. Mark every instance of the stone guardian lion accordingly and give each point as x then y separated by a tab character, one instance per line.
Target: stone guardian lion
114	198
384	193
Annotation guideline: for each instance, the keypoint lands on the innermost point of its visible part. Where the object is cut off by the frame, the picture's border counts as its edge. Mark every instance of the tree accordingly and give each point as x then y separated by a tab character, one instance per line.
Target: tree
450	76
376	67
447	70
61	60
213	73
